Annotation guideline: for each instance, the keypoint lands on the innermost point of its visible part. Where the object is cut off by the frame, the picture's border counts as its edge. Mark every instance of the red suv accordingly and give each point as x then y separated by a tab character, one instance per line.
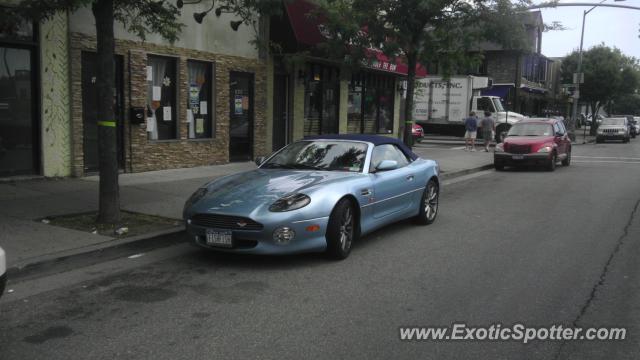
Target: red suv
534	141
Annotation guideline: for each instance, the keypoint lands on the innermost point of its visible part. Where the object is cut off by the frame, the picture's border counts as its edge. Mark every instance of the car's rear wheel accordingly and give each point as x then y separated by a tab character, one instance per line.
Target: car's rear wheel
499	166
341	230
429	203
567	160
551	165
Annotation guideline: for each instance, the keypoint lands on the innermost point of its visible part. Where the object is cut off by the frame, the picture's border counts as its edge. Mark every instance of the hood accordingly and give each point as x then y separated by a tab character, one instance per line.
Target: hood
245	192
528	140
612	127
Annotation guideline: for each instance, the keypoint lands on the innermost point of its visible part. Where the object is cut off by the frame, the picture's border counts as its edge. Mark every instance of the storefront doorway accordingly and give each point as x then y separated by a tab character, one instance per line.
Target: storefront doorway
240	116
19	117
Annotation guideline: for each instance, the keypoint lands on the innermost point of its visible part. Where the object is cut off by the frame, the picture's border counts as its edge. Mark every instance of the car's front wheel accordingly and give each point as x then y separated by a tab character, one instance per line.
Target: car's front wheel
429	203
551	165
341	230
567	160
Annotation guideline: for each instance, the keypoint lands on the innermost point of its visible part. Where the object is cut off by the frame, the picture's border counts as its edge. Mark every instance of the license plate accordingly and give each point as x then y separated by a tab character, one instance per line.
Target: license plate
517	157
219	238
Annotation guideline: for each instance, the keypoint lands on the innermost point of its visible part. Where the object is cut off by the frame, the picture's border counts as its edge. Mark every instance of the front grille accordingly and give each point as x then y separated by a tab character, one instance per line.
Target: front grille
518	149
611	131
225	222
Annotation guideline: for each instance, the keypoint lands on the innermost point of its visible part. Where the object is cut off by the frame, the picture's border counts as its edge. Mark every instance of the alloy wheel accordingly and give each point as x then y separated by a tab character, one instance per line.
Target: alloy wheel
431	201
346	229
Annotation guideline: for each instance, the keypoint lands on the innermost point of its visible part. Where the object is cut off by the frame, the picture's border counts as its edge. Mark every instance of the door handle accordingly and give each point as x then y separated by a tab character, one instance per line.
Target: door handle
409	177
365	192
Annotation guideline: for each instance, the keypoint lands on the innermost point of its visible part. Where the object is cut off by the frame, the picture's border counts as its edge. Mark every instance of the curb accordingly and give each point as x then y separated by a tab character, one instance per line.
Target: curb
50	263
450	175
40	266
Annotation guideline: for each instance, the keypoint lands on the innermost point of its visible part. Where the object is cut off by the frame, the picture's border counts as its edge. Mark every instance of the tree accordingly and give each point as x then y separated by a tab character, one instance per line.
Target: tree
609	76
139	17
422	31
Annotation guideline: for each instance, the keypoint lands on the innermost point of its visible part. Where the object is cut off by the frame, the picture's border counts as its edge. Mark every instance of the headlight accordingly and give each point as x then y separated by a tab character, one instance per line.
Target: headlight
545	149
195	197
290	202
499	147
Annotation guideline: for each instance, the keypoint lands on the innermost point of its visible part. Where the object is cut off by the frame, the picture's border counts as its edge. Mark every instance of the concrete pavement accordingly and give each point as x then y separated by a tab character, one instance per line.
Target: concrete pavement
28	241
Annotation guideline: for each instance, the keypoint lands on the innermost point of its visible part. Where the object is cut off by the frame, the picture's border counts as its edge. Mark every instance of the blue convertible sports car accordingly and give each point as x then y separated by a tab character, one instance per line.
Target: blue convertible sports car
317	194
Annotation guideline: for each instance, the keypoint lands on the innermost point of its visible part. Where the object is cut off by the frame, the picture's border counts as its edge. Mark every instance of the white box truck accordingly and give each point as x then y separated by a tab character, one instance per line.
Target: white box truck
440	102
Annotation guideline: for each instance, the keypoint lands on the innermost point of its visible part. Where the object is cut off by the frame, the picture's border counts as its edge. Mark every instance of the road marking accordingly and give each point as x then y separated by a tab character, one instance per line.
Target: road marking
606	161
605	157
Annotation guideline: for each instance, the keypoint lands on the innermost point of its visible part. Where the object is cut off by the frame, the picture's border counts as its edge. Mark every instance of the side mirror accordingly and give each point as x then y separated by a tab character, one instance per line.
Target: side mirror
259	160
387	165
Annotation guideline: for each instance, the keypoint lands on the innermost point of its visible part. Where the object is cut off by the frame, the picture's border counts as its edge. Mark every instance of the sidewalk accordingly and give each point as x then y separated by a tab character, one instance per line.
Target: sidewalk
27	240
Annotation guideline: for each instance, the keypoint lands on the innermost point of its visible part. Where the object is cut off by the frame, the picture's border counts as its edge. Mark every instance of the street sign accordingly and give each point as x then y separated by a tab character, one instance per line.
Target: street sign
578	78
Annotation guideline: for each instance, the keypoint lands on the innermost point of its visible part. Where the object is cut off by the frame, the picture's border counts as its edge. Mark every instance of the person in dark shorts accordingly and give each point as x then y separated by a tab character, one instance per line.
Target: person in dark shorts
488	128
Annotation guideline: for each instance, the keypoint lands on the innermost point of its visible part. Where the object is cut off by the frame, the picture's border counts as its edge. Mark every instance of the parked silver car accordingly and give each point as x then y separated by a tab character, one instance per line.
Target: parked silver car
613	129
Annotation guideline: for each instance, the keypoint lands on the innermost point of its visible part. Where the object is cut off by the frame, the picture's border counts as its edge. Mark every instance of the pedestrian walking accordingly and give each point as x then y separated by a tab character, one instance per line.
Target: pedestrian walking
471	127
488	129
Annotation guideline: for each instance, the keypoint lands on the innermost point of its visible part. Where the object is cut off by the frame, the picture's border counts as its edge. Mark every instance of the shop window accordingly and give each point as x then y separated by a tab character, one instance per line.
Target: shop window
199	102
17	30
161	98
321	99
371	100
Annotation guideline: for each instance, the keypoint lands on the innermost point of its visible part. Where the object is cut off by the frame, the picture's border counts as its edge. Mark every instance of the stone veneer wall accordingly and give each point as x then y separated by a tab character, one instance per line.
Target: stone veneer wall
142	154
55	110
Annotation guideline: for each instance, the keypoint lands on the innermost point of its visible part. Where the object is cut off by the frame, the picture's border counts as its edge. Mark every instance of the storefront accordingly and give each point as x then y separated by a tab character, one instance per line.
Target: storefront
312	95
191	103
19	105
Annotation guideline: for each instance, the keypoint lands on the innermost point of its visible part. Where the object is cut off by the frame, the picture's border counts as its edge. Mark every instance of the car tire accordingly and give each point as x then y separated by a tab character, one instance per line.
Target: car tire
551	166
598	140
341	230
498	166
567	160
626	140
429	203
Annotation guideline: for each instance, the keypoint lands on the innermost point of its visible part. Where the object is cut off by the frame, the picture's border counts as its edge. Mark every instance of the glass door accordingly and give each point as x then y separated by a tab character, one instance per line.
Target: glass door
241	116
19	135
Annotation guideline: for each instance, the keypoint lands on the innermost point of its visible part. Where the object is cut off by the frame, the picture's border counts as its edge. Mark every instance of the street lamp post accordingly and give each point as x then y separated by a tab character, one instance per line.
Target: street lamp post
579	79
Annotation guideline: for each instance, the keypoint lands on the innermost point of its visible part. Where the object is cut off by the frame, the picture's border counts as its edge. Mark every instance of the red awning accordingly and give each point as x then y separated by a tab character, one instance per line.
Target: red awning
308	29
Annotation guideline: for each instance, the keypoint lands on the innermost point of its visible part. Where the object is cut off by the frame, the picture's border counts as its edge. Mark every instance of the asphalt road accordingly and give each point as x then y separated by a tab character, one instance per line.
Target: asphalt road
524	246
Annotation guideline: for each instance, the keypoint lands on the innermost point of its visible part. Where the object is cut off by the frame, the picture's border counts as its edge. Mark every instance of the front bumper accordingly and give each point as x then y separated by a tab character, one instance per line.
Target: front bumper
261	241
508	159
606	136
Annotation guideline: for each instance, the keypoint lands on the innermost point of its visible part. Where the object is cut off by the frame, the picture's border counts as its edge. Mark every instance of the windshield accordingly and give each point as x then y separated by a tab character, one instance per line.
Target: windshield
531	129
320	155
610	121
498	104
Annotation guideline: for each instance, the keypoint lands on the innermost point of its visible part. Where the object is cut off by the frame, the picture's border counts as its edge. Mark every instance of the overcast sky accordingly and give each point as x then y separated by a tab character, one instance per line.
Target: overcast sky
614	27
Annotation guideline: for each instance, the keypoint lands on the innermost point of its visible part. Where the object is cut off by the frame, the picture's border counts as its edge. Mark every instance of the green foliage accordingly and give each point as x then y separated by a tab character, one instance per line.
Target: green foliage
608	74
627	104
446	31
139	17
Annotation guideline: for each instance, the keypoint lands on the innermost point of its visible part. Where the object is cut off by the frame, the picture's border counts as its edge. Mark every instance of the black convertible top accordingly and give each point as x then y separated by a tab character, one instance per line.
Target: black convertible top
374	139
